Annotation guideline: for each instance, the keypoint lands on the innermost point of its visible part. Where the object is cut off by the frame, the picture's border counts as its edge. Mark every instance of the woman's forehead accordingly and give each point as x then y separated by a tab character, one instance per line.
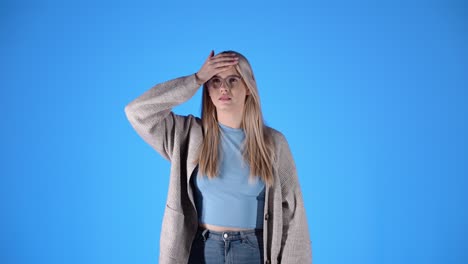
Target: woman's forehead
231	71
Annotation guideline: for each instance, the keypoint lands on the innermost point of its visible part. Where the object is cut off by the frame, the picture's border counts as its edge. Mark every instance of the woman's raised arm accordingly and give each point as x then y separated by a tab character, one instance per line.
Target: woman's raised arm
151	114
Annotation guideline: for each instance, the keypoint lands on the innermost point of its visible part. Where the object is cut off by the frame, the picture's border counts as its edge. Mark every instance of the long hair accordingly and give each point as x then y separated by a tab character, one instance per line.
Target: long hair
258	146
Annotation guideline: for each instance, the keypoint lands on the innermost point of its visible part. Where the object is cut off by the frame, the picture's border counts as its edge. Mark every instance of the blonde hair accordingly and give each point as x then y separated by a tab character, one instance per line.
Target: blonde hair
258	146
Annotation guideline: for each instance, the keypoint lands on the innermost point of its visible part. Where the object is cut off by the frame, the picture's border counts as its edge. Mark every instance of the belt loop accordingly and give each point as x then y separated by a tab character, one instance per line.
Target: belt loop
205	234
242	234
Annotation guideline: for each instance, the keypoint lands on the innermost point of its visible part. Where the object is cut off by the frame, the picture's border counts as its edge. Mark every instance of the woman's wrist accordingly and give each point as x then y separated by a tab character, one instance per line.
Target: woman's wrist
198	80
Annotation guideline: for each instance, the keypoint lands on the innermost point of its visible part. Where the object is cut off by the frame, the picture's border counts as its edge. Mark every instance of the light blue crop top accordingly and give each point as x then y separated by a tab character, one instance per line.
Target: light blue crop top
231	199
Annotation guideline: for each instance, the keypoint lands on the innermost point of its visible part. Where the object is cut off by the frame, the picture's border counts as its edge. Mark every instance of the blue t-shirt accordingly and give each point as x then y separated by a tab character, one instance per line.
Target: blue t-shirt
232	199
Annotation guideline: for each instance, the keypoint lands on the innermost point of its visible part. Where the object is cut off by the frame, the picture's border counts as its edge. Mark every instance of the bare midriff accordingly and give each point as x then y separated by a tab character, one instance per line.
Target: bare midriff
221	228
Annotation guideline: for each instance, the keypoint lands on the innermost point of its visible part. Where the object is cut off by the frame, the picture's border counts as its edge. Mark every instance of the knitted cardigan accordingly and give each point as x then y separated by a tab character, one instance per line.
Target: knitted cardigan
178	138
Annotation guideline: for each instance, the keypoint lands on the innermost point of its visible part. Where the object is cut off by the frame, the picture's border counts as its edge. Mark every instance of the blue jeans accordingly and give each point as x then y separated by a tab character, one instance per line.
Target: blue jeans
241	247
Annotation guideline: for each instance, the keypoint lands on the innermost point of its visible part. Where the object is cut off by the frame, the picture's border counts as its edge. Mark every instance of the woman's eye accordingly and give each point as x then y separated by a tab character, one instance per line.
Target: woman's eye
232	80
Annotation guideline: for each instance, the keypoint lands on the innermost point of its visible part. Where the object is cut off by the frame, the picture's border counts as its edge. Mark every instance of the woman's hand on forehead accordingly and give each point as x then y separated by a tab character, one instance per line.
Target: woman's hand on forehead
216	64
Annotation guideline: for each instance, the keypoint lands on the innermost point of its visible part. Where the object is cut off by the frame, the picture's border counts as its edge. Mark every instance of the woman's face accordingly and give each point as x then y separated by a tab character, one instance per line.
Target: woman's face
228	91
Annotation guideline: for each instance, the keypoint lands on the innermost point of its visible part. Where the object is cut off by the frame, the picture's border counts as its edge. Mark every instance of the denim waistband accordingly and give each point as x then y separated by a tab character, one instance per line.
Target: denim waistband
228	235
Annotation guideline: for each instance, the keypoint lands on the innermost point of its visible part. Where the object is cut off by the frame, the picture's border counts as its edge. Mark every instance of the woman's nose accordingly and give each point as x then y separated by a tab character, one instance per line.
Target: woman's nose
223	86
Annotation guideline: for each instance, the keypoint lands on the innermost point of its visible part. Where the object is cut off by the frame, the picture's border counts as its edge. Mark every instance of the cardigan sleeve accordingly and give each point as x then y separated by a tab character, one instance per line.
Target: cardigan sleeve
151	114
296	244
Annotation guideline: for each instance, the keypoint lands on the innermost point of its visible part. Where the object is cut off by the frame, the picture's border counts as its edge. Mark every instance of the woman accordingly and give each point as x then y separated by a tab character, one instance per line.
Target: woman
234	195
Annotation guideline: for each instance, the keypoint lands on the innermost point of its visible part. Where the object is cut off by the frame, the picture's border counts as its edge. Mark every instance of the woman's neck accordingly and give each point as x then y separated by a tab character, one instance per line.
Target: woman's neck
229	119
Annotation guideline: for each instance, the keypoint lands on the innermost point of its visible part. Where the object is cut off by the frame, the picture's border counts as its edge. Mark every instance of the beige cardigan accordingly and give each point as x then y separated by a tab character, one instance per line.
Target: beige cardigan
177	138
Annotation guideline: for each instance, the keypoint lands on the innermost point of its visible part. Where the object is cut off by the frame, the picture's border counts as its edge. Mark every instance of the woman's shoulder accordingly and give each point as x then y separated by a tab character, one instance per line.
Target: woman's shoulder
277	136
183	125
188	121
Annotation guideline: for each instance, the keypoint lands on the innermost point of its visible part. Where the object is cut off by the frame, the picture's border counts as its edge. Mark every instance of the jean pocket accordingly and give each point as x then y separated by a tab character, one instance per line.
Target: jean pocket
253	242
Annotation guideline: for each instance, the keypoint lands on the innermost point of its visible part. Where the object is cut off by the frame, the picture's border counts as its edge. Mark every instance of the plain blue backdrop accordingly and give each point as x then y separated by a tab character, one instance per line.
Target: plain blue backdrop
371	95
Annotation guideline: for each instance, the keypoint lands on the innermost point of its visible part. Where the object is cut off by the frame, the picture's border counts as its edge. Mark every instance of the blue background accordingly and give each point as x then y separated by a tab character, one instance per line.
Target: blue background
371	95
